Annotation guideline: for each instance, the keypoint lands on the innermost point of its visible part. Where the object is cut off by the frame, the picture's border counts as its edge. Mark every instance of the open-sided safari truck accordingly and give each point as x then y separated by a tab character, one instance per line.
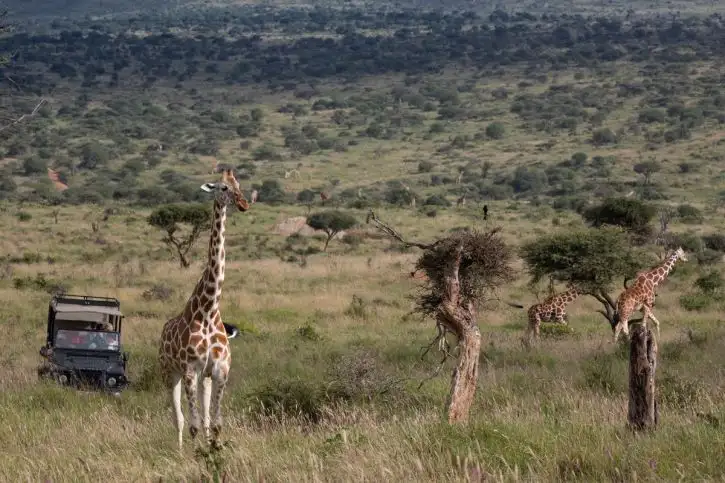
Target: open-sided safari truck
83	346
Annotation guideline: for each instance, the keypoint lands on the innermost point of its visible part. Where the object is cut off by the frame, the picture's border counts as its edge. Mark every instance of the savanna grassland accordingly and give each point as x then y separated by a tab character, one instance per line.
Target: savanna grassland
540	118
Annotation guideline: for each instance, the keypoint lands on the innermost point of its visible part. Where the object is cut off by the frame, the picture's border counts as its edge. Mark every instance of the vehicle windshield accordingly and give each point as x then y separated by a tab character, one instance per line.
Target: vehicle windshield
87	339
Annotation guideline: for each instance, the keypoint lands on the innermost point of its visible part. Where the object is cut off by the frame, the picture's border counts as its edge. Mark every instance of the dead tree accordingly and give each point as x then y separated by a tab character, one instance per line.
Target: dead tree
461	270
643	413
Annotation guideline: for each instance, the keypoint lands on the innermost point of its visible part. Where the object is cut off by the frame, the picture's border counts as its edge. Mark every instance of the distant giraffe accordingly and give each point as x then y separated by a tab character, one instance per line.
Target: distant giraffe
461	201
194	351
641	294
552	309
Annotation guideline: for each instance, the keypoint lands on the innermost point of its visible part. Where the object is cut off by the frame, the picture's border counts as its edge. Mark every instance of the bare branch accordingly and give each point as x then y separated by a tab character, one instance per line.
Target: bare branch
391	232
24	116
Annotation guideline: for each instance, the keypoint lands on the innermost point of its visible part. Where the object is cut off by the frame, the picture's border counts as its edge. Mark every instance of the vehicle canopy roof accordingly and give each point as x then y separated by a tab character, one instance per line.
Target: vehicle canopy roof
85	312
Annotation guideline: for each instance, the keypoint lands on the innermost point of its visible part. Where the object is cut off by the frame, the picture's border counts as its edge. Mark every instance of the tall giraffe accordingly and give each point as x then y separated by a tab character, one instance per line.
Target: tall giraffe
552	309
641	294
194	352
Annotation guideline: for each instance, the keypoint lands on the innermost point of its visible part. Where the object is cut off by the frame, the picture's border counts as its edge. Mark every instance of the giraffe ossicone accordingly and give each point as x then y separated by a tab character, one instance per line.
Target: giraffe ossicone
641	294
194	352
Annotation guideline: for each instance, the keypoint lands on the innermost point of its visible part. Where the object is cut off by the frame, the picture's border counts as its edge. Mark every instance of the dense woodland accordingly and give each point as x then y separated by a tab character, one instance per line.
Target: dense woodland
183	82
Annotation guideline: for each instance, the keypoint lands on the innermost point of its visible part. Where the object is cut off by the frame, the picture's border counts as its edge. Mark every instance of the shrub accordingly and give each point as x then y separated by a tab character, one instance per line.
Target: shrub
695	301
632	215
425	167
689	214
714	241
604	136
495	130
436	200
710	283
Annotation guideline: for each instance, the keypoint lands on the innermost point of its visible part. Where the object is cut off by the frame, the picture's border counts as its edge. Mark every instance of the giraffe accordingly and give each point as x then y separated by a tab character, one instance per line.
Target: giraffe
641	294
194	353
552	309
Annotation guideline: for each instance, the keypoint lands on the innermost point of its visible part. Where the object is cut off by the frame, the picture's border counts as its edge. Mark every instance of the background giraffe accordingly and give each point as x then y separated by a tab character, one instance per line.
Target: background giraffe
641	294
552	309
194	351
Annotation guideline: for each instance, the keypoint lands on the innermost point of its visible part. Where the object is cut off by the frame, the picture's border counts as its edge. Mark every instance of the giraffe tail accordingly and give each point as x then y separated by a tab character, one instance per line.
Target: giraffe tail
231	330
514	305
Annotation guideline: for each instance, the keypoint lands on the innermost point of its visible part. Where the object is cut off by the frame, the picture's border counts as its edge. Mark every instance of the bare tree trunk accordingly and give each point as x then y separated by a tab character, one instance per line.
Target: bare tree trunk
461	320
465	377
642	365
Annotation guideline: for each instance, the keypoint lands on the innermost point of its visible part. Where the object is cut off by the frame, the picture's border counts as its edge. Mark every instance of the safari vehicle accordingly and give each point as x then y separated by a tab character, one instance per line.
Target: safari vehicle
83	345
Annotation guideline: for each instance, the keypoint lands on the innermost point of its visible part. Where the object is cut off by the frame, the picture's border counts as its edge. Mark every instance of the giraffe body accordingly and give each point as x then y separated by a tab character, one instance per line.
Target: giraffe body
641	294
194	353
553	309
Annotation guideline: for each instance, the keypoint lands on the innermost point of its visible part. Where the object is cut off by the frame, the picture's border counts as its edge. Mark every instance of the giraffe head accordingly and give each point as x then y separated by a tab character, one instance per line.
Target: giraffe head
680	253
227	191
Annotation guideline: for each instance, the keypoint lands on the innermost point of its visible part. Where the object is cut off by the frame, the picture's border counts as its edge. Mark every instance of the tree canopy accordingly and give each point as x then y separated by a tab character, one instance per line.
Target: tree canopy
331	222
592	258
168	218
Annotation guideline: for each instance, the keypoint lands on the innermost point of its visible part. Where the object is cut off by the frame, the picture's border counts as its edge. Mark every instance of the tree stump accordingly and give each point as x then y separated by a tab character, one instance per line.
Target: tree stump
642	365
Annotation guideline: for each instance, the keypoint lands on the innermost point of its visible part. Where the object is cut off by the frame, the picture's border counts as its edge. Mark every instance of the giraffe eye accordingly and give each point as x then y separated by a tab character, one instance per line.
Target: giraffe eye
225	187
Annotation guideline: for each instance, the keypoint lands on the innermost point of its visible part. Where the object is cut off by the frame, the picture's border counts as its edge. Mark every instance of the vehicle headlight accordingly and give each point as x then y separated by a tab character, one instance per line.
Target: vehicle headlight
111	381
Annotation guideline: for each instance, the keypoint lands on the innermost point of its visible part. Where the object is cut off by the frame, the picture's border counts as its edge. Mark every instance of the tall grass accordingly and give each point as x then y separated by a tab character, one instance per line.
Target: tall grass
326	373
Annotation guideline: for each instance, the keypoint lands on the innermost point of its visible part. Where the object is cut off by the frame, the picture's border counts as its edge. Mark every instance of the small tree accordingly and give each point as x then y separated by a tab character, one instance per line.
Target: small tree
591	259
461	270
306	197
331	222
169	217
647	169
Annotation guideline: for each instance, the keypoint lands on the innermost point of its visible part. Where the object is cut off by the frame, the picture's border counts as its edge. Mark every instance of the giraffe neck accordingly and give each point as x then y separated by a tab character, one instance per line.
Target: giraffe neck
204	301
661	272
214	274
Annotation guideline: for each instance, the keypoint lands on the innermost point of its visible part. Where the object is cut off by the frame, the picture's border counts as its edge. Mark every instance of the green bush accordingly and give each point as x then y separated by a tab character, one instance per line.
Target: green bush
689	214
495	130
696	301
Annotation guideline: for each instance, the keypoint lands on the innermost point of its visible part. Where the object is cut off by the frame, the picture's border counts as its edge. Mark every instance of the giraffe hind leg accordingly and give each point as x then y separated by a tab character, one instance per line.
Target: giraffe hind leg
218	384
190	385
204	388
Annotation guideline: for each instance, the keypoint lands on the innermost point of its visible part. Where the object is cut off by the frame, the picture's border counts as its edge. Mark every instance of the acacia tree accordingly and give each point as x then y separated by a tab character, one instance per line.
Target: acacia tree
331	222
169	217
461	270
592	259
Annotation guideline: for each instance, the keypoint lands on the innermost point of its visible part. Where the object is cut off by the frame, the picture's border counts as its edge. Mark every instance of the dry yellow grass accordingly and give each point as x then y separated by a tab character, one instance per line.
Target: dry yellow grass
553	413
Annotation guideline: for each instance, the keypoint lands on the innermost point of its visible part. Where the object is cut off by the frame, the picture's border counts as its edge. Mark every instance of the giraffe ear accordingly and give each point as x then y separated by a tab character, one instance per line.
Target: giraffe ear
208	187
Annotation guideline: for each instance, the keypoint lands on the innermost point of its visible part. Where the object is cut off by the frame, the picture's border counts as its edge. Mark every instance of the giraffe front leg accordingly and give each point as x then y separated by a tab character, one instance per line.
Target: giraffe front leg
218	384
654	319
204	388
190	385
622	325
534	327
178	412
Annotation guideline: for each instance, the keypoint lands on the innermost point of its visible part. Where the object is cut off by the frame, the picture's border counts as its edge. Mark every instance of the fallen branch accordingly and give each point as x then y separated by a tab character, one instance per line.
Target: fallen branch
388	230
24	116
